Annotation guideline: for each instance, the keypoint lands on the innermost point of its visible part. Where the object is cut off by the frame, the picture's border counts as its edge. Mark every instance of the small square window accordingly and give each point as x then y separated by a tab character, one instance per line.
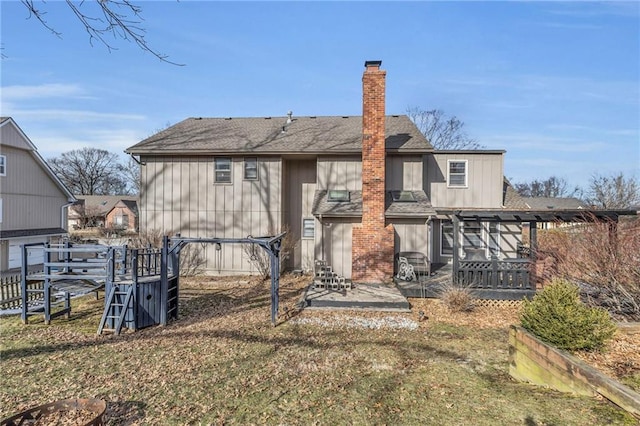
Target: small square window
308	228
3	165
222	167
457	173
338	195
250	168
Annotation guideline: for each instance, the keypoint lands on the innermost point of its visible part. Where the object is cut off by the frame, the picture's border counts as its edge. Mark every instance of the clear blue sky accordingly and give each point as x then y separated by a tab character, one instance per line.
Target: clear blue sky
555	84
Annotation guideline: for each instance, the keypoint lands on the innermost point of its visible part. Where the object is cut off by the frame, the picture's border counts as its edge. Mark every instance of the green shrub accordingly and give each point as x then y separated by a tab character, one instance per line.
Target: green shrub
557	316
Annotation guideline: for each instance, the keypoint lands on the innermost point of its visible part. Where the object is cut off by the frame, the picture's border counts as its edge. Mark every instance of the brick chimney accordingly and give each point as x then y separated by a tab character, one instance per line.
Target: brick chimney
373	239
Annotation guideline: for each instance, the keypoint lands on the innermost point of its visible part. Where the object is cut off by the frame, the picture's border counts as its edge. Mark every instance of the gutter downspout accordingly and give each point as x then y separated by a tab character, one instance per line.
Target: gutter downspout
64	218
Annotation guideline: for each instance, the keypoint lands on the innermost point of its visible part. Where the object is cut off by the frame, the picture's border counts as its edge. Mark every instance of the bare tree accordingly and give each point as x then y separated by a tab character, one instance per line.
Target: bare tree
444	133
116	18
88	216
613	192
131	172
550	187
90	171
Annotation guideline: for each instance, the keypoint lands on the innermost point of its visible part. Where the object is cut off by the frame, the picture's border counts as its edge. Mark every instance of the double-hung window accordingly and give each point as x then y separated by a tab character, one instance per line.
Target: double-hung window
475	235
222	168
457	176
472	235
3	165
250	168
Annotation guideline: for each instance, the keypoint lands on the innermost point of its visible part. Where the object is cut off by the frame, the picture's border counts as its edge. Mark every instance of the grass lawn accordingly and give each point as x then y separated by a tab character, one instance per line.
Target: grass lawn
223	363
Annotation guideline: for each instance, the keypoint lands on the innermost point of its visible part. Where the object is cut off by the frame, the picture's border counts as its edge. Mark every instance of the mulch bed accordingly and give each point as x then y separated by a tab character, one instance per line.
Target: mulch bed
619	359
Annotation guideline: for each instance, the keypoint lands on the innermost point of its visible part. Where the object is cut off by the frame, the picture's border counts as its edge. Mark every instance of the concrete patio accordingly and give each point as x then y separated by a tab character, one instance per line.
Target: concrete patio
373	297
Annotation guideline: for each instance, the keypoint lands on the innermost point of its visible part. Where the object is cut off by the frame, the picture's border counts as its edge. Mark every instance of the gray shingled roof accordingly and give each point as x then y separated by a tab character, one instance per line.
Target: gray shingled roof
353	208
554	203
511	199
333	134
16	233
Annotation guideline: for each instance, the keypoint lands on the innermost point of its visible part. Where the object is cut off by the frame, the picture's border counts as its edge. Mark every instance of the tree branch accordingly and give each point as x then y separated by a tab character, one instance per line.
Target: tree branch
120	18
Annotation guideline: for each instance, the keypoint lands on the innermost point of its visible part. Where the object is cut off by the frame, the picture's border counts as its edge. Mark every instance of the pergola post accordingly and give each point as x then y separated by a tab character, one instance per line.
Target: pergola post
533	241
456	248
612	226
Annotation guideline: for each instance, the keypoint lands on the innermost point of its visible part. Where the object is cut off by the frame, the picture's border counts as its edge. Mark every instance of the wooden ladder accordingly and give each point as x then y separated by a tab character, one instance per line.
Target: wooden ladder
116	306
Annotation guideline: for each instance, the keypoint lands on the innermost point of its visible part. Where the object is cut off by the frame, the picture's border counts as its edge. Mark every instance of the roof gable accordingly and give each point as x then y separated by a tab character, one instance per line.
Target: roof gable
13	136
12	132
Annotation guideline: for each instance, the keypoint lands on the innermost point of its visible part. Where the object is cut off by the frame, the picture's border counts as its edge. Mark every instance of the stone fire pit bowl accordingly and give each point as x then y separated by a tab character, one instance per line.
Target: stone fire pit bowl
67	412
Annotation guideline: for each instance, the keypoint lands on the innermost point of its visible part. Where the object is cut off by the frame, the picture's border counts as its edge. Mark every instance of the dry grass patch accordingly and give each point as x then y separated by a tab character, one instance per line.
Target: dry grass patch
484	315
223	363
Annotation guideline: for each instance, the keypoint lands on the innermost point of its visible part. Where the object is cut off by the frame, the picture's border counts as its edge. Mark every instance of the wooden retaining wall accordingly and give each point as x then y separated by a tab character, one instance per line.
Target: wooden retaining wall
532	360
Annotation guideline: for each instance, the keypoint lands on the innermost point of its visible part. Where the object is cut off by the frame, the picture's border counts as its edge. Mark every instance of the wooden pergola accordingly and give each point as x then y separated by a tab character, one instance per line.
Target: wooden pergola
510	278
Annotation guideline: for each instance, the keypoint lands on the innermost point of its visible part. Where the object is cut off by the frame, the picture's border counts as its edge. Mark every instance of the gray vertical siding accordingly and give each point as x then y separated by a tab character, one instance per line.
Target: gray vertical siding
342	173
333	239
179	196
510	237
333	244
412	235
404	172
300	178
10	137
485	177
30	198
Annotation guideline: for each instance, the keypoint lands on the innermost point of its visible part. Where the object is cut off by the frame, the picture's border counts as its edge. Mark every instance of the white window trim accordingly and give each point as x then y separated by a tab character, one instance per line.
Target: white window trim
485	236
215	170
466	173
304	219
244	170
4	165
0	210
499	239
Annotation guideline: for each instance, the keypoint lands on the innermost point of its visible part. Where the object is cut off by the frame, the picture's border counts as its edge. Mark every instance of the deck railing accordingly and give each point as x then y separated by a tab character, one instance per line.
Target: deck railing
507	274
147	261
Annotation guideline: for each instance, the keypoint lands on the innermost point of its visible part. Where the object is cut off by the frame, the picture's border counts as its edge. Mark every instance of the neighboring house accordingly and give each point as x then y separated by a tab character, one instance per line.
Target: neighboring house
118	212
353	190
33	201
553	204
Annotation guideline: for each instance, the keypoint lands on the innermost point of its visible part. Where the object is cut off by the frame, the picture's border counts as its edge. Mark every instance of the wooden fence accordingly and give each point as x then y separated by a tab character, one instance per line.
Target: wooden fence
11	292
